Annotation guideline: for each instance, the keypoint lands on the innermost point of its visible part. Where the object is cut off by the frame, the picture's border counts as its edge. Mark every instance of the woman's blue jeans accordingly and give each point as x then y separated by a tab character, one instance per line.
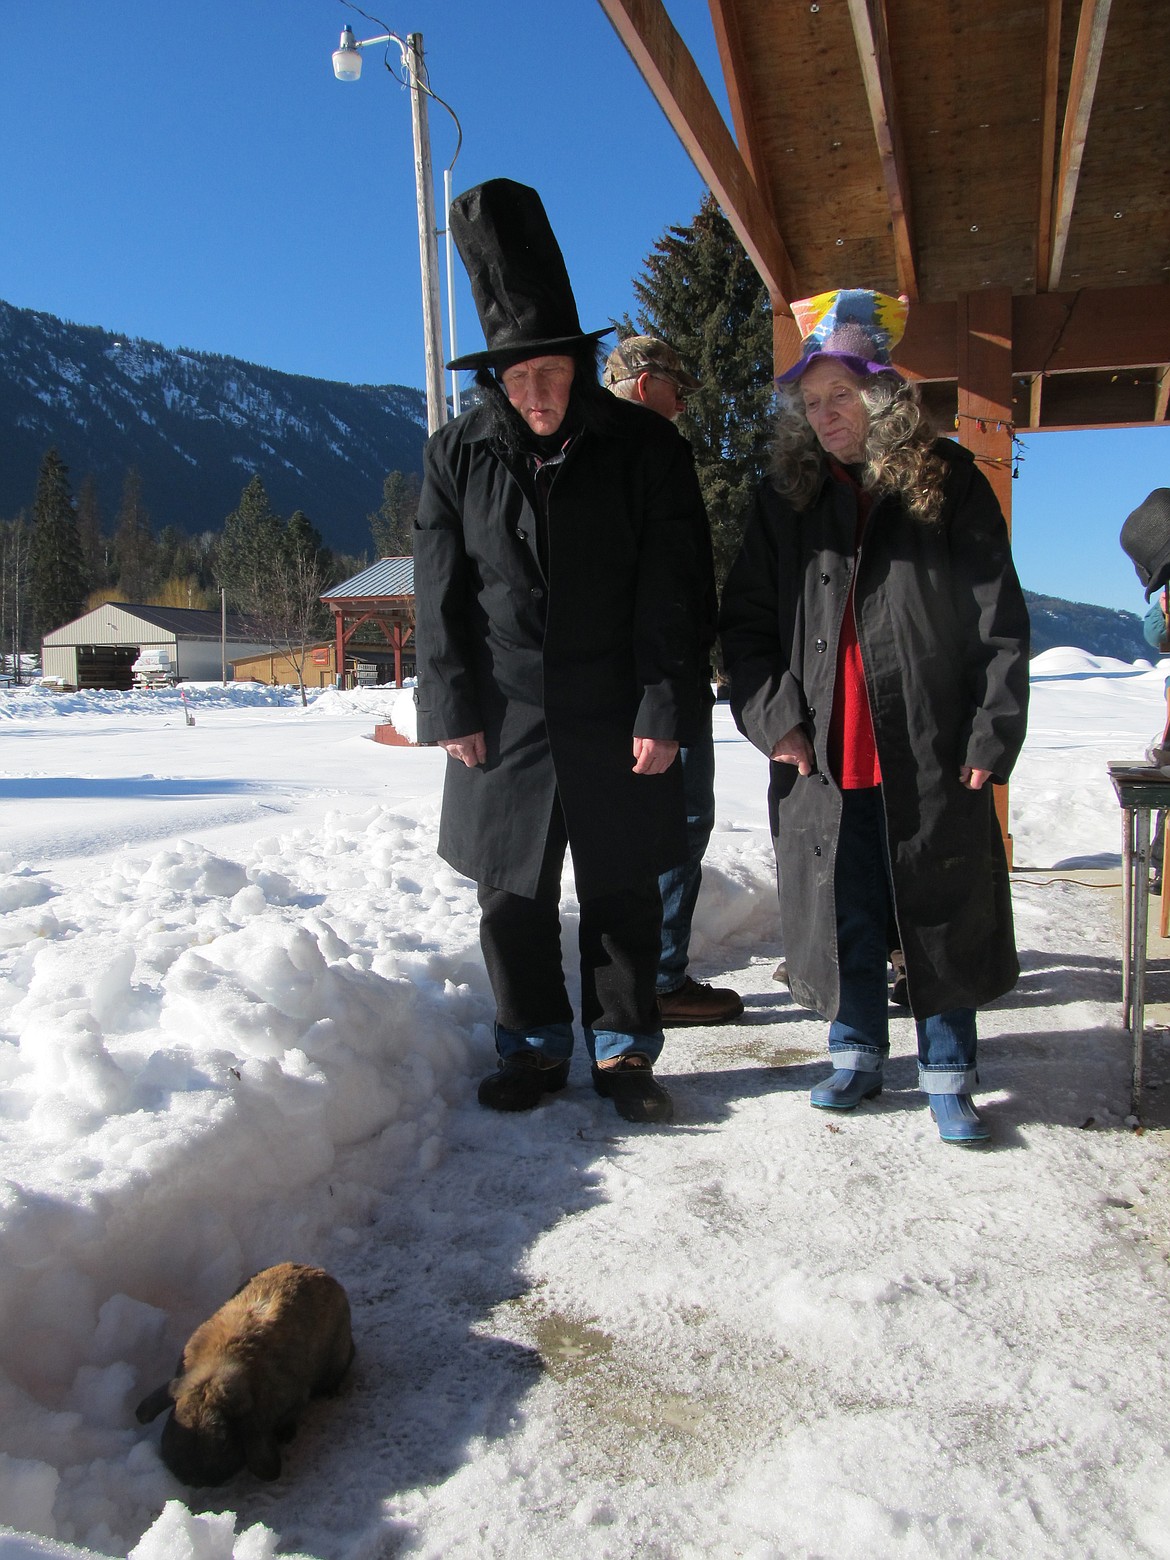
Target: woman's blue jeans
859	1036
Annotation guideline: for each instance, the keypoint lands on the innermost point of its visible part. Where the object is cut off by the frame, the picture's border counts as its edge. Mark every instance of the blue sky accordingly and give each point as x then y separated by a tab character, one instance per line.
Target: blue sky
194	174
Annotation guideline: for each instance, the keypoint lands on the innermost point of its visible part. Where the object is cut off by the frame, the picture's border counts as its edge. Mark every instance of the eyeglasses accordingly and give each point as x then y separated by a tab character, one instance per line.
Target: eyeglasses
681	390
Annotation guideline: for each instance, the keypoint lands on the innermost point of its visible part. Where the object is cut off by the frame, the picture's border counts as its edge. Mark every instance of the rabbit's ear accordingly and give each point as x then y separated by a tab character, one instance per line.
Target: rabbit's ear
153	1404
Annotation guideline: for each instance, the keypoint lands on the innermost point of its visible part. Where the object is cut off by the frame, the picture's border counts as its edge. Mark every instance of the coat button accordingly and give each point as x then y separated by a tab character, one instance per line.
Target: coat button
816	850
824	779
812	714
821	646
536	593
521	533
825	579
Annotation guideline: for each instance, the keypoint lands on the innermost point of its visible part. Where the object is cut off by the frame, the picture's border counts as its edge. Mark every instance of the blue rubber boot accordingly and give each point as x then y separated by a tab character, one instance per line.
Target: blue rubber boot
958	1120
844	1089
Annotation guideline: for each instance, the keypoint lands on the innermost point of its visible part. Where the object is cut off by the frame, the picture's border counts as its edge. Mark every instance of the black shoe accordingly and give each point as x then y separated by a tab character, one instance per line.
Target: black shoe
520	1082
636	1093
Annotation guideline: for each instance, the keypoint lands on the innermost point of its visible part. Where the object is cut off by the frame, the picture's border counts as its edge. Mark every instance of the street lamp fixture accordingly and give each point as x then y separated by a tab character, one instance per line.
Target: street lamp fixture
347	66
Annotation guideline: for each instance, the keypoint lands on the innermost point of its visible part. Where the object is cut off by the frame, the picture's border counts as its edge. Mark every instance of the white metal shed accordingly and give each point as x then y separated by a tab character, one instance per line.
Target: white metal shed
98	649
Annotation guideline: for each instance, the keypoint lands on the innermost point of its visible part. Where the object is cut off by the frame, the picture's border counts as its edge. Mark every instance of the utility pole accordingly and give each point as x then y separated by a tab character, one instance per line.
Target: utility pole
428	249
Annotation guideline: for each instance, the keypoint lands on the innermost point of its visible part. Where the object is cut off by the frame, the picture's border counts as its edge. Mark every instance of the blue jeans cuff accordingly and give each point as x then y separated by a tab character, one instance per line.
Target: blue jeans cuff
856	1058
947	1080
553	1041
604	1045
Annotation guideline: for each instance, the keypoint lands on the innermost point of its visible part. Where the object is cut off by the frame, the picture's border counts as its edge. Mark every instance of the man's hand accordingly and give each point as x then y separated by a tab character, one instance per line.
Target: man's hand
468	750
652	756
795	748
974	779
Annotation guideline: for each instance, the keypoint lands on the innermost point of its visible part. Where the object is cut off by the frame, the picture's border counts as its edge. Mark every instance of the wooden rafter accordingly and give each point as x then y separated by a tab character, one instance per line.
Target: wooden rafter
729	42
1049	91
1082	87
1162	398
683	95
873	51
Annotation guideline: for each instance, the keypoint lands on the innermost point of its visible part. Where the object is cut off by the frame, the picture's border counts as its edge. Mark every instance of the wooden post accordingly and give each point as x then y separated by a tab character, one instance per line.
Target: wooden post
984	352
339	645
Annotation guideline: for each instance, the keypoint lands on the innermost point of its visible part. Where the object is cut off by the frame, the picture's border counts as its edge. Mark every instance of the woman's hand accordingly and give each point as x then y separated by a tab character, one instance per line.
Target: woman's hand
468	750
974	779
795	748
653	756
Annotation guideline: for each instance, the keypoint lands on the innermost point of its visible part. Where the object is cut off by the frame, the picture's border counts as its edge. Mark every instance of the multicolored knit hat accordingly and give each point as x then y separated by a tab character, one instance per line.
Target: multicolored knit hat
859	327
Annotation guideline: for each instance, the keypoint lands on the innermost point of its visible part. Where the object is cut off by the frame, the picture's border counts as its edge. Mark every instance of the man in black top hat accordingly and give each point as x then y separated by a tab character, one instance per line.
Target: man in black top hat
561	554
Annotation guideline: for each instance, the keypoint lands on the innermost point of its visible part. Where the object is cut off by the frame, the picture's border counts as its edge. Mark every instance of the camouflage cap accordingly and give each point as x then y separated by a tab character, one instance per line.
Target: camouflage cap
646	355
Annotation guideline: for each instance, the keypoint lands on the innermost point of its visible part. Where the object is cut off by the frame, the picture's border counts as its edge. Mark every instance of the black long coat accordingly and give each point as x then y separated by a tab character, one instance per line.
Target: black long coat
943	631
561	670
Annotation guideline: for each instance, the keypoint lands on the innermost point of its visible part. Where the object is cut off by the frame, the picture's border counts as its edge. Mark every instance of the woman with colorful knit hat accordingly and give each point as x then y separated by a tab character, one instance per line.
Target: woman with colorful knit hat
876	639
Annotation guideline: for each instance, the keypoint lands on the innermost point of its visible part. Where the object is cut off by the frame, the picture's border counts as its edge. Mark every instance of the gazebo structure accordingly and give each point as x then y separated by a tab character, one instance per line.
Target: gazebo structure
382	595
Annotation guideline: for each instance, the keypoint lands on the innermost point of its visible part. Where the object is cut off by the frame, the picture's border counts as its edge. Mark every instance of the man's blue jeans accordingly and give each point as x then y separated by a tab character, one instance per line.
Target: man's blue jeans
680	886
859	1036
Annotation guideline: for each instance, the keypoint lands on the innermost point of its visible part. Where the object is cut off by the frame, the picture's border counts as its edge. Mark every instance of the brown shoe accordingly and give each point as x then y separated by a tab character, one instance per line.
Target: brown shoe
635	1091
694	1003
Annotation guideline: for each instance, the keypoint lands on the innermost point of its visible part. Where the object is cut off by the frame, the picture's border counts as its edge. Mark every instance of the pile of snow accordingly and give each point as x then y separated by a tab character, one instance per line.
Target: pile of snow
258	1042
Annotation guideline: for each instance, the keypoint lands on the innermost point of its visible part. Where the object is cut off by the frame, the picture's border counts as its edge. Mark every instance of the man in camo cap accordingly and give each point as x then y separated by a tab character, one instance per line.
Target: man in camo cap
646	369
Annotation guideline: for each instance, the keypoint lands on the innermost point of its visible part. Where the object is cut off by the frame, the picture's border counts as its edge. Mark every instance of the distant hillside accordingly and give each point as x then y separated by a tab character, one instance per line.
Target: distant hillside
197	427
1099	630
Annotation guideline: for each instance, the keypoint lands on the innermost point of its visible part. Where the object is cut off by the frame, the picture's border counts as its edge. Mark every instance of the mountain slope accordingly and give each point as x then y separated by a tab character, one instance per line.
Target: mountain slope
197	426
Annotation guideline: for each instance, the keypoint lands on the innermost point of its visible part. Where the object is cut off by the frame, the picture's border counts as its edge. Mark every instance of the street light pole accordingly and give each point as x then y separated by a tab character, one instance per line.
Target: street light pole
347	66
428	250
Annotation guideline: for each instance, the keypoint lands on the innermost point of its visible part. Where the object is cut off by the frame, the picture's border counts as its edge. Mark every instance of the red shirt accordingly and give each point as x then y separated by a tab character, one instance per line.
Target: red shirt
853	757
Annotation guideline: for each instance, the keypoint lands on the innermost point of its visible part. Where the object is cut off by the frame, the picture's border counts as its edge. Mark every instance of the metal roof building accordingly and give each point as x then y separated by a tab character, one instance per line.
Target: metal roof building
382	595
98	649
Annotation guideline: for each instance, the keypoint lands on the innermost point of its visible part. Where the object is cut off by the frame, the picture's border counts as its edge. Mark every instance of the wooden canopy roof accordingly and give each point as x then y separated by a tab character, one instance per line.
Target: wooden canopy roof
1005	163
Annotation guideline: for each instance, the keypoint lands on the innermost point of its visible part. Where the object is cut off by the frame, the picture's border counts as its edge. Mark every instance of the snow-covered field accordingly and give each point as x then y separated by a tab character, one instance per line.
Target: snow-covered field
242	1014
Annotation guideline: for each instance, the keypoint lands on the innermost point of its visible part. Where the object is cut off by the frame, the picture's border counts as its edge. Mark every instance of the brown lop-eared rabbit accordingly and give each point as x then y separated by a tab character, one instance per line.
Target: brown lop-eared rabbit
246	1373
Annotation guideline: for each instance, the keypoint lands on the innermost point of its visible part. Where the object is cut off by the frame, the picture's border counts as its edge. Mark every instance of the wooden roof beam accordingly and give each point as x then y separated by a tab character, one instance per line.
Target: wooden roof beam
873	50
1049	93
1078	109
674	78
1098	329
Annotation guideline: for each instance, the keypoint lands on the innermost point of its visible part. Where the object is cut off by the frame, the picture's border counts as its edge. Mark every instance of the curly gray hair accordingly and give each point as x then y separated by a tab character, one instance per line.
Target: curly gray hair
899	453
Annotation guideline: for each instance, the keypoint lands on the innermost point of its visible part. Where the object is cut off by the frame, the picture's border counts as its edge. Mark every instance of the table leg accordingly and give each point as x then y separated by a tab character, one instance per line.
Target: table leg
1141	932
1127	821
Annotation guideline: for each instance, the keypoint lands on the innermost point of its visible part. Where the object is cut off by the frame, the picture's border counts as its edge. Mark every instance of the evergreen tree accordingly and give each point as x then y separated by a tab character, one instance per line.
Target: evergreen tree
249	550
134	548
94	547
56	569
701	293
392	525
15	547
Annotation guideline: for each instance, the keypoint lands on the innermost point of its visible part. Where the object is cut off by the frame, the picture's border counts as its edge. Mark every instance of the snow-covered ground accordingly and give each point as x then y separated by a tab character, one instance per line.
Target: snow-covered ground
242	1015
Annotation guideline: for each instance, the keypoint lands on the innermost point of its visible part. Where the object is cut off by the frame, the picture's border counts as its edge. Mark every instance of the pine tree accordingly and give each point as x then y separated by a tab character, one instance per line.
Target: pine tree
700	292
56	569
392	525
134	548
94	547
249	550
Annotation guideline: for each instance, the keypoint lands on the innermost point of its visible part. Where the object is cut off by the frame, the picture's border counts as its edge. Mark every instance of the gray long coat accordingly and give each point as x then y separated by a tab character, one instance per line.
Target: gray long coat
562	670
943	631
